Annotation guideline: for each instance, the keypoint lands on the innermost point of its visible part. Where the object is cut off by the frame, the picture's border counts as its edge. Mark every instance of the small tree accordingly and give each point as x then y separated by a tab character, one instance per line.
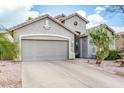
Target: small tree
29	18
102	41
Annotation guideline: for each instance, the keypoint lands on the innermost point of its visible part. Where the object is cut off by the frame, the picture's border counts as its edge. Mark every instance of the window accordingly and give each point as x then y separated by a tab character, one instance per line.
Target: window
75	23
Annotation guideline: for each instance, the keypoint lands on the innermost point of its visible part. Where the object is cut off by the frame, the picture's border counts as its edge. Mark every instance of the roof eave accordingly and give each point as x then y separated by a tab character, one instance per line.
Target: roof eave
27	22
76	14
37	19
110	29
87	21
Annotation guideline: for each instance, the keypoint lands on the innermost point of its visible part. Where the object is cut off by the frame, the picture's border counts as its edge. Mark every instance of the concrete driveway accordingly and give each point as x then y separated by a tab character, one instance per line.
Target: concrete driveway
70	74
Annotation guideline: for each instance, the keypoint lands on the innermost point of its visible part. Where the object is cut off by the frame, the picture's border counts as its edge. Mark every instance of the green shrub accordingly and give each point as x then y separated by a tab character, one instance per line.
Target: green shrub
113	55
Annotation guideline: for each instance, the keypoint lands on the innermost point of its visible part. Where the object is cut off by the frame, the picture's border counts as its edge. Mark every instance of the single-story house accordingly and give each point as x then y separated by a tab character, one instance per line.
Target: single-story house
53	38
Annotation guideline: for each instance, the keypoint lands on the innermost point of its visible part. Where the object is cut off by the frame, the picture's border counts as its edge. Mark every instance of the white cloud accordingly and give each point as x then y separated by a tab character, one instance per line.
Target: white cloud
118	29
47	13
89	25
12	15
95	19
99	9
82	13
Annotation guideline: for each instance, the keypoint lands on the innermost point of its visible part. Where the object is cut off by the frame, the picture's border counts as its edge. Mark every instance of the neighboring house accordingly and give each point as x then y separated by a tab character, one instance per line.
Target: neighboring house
53	38
119	41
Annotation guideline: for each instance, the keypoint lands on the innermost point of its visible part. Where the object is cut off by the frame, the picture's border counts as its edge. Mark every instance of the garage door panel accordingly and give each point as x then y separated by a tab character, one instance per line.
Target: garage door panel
37	50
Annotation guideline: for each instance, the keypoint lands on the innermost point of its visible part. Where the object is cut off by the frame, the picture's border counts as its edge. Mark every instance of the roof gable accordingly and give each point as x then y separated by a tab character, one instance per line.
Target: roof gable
38	19
109	29
76	14
101	25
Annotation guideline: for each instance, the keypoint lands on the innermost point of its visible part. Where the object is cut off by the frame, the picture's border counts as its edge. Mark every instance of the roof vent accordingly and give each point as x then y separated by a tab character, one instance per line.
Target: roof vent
46	26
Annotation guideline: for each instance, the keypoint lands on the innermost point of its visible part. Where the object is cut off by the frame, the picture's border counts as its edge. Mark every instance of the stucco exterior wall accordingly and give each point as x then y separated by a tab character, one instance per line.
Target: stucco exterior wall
81	27
37	28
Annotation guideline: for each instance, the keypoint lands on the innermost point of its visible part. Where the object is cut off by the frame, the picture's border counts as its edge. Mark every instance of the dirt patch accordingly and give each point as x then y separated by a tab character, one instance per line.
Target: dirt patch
10	74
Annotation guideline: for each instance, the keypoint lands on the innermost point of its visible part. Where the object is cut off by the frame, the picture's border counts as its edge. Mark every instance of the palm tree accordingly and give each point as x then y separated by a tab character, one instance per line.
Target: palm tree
102	41
8	47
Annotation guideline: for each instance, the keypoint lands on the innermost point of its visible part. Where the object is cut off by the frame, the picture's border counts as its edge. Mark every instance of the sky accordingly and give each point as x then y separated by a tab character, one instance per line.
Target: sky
10	16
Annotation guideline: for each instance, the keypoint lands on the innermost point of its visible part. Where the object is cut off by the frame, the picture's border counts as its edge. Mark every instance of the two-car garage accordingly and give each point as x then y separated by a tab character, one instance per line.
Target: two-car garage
38	50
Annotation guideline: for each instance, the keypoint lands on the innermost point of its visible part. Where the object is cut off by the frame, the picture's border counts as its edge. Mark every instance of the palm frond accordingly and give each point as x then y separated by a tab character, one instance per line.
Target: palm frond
8	49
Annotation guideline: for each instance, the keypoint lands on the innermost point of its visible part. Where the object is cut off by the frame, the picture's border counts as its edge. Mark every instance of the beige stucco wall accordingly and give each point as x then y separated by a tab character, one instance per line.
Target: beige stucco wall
37	28
81	27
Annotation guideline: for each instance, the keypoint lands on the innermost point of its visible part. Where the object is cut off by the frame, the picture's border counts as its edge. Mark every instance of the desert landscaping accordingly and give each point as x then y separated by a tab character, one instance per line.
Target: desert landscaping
10	74
108	66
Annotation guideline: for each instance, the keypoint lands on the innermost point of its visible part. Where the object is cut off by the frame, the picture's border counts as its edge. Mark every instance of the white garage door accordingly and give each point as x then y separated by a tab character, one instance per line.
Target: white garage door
37	50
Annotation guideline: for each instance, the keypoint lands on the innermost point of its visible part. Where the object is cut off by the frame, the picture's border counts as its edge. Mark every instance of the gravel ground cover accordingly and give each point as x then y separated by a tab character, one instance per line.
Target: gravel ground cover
108	66
10	74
